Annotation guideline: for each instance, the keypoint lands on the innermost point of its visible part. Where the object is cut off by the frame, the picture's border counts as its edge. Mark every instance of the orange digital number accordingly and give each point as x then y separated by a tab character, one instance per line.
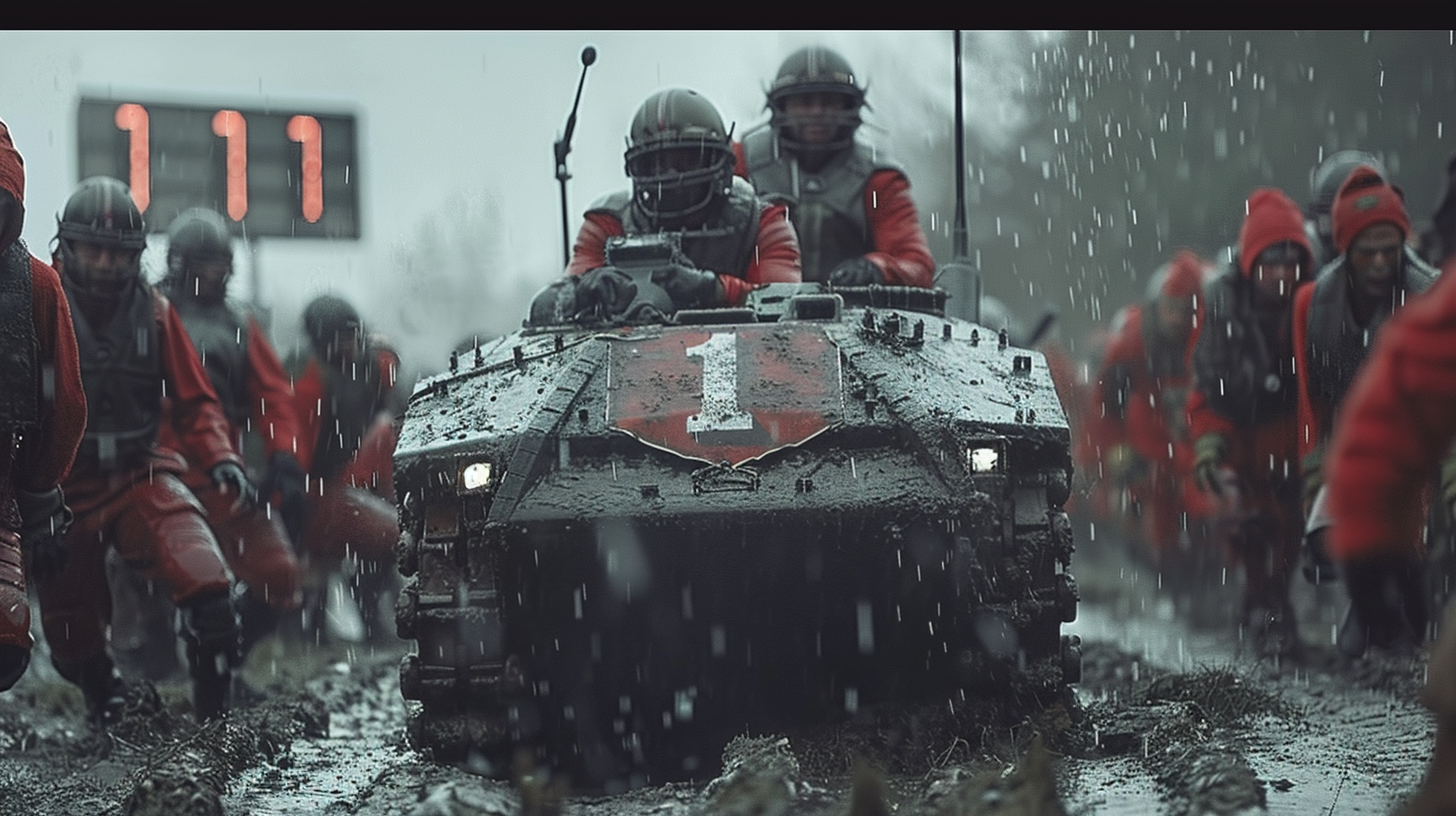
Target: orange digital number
305	130
230	125
132	118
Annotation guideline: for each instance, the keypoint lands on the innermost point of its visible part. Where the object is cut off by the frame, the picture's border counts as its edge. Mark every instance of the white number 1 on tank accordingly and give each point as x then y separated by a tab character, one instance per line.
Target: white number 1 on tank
720	386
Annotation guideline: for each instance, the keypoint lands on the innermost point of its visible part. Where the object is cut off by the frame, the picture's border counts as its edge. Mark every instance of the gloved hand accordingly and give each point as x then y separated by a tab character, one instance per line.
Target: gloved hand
44	519
1208	454
859	271
1124	466
285	476
689	288
604	292
1387	602
231	478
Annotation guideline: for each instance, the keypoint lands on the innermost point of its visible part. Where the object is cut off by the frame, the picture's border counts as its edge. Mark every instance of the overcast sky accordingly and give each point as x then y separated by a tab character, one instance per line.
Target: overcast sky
456	131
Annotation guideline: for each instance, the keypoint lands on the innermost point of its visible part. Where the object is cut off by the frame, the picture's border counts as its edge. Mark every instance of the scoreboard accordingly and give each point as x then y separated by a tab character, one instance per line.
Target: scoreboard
280	172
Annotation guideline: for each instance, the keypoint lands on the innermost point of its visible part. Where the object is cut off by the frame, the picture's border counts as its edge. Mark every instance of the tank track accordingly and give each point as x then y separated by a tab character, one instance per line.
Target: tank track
505	660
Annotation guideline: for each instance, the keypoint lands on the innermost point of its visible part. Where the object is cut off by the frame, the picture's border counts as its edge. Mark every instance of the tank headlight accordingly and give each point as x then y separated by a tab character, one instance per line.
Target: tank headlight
476	477
983	460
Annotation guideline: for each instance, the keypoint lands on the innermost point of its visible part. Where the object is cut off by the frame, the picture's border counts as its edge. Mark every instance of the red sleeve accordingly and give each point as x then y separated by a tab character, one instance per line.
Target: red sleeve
1309	430
196	414
46	455
308	402
590	249
775	258
272	396
1396	423
740	161
901	251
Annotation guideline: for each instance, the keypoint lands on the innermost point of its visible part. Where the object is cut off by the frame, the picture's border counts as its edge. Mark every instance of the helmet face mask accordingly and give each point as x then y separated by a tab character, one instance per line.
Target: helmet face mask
816	101
679	157
199	255
101	235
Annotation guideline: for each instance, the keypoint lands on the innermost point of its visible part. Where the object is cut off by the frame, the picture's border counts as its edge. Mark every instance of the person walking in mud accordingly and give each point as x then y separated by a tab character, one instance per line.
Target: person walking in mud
42	416
1395	426
125	489
851	207
345	399
1337	317
255	393
1242	412
1142	392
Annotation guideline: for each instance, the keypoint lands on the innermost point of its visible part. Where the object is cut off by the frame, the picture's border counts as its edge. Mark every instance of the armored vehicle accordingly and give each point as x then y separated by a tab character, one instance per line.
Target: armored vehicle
628	540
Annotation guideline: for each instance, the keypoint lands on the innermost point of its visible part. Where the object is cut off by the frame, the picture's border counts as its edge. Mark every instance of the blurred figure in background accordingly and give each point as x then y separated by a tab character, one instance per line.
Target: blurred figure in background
42	416
346	401
1141	394
851	207
1243	417
1325	181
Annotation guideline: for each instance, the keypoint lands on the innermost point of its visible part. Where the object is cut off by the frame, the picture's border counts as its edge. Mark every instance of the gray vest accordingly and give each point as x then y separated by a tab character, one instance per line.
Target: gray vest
220	335
19	368
725	244
1335	346
827	207
121	371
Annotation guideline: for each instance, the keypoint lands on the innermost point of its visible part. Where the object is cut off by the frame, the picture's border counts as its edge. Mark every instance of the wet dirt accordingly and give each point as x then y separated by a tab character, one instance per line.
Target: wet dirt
1169	718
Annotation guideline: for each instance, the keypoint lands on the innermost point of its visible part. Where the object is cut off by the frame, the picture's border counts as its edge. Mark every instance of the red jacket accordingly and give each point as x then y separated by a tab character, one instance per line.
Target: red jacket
1143	422
270	396
309	396
1398	421
191	406
901	251
45	453
775	260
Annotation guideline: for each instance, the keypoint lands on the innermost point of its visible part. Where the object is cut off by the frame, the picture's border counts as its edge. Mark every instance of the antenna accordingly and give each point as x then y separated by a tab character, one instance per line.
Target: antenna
563	147
964	274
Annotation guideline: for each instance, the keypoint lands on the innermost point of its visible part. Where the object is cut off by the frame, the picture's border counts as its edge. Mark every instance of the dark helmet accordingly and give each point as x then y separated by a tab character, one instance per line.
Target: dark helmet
100	211
325	317
816	69
198	234
679	157
1325	180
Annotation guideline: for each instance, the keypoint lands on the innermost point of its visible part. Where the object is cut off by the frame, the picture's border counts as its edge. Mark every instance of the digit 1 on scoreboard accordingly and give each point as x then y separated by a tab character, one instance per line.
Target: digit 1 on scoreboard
230	125
133	119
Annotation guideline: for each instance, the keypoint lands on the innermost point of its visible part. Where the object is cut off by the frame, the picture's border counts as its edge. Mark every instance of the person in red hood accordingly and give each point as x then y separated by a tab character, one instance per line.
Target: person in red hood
851	207
1242	413
1336	317
680	160
42	417
1142	392
126	490
1396	424
344	396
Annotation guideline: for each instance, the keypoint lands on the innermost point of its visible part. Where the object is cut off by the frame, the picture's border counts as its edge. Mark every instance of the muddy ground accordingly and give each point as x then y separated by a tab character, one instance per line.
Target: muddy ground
1170	718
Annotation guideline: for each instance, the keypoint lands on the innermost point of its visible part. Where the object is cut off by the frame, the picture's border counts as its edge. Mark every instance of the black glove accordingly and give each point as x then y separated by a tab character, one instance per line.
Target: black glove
604	292
554	305
859	271
44	519
1208	454
285	476
230	478
689	288
1387	602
